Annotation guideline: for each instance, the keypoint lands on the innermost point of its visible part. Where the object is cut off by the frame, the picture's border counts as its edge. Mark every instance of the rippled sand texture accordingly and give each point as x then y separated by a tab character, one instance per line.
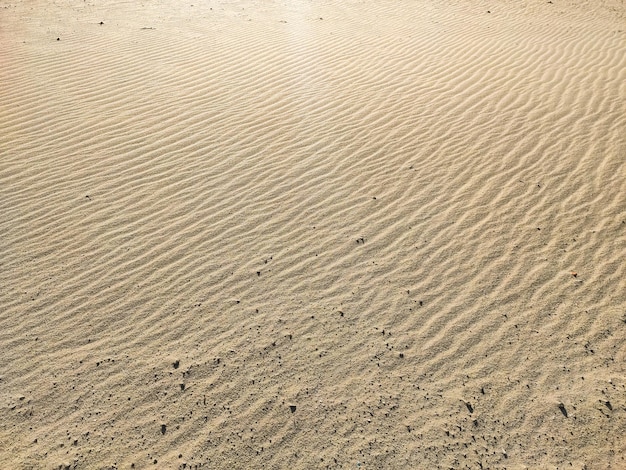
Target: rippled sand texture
258	234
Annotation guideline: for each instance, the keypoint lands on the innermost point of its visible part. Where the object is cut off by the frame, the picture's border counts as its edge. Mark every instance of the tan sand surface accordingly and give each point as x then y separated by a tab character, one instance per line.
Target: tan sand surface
312	234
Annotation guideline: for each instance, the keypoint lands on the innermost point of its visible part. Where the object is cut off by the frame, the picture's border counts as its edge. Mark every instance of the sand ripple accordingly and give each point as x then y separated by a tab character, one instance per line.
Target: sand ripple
406	219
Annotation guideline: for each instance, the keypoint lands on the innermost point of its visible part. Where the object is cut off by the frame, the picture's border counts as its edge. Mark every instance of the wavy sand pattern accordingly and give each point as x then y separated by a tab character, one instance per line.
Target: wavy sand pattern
259	234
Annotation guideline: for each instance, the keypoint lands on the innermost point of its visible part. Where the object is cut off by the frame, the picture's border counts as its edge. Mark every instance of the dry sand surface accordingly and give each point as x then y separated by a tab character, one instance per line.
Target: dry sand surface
302	234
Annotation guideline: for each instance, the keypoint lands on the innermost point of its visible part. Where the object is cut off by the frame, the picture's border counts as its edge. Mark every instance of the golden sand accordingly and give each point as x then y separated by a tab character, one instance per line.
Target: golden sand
297	234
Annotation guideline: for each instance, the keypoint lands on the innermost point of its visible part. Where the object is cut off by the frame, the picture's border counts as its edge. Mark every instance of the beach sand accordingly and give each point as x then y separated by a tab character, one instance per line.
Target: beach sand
296	234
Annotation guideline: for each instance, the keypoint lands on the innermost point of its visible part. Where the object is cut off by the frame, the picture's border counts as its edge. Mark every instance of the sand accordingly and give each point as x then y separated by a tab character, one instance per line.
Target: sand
296	234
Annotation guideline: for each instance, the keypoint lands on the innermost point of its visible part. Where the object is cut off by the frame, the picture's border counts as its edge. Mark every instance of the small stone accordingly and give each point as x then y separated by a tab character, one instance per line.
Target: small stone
176	364
292	408
163	428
